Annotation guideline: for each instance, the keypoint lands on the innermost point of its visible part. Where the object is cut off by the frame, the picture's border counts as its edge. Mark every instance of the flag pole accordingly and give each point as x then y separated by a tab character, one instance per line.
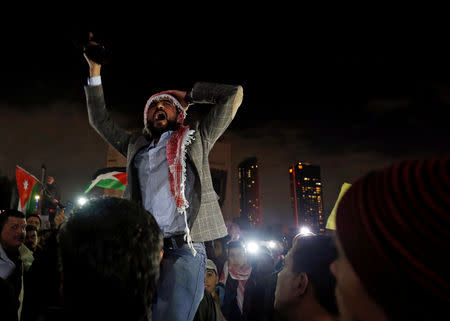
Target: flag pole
42	189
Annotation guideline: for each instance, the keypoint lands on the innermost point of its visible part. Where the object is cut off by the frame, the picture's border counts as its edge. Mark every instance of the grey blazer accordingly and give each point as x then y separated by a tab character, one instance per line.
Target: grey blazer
206	221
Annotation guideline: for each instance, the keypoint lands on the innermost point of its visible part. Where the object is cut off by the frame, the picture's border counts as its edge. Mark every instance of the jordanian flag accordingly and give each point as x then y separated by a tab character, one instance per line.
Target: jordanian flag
110	177
27	188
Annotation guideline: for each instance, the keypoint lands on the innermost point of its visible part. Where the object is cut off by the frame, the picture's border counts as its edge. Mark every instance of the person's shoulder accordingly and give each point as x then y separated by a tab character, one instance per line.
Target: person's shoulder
136	135
206	309
208	298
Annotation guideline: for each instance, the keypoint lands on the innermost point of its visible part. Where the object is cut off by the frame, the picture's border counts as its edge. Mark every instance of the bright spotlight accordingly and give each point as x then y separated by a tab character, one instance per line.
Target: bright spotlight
37	197
272	244
304	230
252	247
82	201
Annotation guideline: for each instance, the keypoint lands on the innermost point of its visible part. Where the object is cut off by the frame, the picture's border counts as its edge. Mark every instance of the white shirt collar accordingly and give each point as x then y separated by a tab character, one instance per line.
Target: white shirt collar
163	139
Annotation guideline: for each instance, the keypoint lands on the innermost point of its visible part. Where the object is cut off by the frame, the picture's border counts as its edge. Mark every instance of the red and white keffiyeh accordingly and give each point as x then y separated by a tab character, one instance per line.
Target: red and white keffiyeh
176	158
241	275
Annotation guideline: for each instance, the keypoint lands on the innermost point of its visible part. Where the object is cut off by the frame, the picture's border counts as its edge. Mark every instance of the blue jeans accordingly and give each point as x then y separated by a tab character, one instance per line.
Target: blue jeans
181	284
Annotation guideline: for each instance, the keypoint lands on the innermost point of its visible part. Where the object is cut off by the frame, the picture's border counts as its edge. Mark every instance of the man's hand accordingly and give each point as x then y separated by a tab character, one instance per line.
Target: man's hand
59	218
179	95
94	68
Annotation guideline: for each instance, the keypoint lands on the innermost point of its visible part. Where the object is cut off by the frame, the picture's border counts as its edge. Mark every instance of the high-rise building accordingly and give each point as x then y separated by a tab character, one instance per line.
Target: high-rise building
306	196
249	195
220	166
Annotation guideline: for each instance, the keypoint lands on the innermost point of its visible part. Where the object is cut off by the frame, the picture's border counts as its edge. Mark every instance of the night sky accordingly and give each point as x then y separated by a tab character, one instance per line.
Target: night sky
347	102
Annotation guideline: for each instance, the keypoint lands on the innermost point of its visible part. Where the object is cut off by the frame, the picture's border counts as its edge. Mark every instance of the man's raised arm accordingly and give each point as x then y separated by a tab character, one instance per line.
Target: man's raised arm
226	100
99	117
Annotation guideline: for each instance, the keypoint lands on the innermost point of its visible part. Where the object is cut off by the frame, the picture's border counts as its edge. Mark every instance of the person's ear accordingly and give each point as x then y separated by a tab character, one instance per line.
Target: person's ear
301	282
333	268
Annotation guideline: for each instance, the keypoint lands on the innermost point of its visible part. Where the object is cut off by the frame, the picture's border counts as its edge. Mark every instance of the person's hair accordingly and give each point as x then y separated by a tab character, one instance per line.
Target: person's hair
313	255
7	214
35	215
234	245
222	241
31	228
109	253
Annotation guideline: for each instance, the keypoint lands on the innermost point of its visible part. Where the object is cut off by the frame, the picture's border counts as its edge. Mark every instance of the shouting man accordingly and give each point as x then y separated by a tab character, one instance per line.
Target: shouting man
168	173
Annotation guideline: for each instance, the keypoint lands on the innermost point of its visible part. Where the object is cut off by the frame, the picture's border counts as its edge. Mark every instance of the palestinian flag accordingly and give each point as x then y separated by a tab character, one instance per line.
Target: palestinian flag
110	177
27	188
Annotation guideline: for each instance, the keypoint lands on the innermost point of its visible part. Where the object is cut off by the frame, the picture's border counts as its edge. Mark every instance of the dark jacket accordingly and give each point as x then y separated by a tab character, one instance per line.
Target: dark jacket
207	309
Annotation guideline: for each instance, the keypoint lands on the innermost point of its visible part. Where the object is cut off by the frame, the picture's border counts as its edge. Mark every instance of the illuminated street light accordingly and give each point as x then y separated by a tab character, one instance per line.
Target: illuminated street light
36	198
82	201
252	247
304	230
272	244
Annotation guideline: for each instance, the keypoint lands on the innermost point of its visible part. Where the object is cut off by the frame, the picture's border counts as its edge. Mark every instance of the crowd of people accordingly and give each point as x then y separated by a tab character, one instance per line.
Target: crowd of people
387	260
164	252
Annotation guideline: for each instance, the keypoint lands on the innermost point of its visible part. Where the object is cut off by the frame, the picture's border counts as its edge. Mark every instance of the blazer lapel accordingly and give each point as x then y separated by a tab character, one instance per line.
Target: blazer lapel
141	142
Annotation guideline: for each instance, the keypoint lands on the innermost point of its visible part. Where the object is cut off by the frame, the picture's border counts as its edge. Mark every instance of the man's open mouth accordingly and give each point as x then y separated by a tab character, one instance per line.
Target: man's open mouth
160	115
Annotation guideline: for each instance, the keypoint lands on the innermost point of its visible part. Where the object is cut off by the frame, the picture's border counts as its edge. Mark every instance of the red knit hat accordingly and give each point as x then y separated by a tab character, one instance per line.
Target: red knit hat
394	227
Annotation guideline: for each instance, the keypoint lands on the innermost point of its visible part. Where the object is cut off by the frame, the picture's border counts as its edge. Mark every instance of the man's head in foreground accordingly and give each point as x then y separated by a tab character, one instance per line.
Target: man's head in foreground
110	251
12	230
305	285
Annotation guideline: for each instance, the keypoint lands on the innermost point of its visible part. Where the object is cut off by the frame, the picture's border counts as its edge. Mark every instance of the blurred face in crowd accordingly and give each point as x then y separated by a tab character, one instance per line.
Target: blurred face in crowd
33	220
13	233
161	115
31	240
277	252
218	248
236	257
211	280
353	300
234	232
265	264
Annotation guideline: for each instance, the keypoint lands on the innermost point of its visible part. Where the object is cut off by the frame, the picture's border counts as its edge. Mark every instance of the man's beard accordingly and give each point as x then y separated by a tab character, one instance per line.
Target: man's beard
157	132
